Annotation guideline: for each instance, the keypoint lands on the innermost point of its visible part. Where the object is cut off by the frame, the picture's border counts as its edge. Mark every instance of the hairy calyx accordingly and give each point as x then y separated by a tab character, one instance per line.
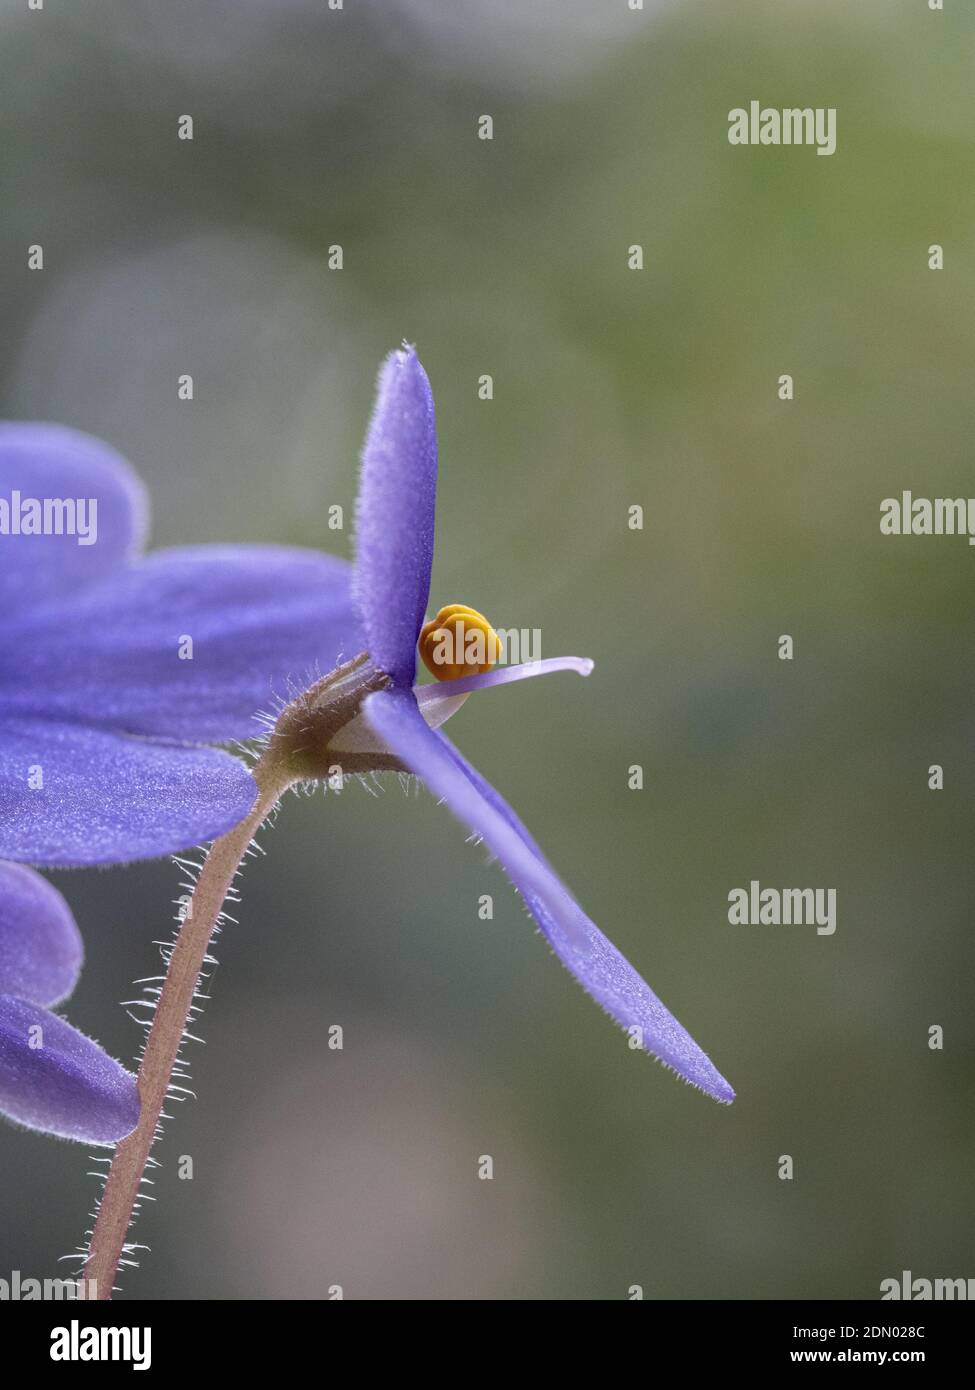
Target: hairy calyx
306	743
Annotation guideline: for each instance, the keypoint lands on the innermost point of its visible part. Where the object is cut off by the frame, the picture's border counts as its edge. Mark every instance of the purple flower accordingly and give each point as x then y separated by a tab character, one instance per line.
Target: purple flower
392	581
52	1077
115	667
114	670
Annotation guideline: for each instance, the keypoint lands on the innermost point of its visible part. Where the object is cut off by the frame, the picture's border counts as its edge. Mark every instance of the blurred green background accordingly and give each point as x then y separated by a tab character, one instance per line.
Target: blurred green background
612	387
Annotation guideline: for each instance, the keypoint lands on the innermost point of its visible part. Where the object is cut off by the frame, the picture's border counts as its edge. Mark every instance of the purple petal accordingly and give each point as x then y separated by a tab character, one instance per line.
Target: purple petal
48	463
577	941
55	1079
503	675
40	945
106	799
395	515
118	656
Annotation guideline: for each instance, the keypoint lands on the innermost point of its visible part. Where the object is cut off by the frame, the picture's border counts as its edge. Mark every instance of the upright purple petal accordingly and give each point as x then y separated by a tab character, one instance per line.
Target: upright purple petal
187	644
395	515
55	1079
73	796
51	464
40	944
576	940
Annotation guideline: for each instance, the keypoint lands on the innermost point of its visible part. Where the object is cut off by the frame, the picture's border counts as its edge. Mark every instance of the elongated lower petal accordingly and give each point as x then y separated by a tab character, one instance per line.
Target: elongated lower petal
54	1079
40	945
576	940
72	796
187	644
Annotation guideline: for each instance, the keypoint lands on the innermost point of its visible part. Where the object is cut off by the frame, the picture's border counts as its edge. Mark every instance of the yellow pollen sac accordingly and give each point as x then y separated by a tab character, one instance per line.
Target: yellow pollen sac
459	641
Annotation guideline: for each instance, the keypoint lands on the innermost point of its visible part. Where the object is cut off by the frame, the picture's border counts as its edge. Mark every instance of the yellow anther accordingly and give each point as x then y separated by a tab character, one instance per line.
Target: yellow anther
459	641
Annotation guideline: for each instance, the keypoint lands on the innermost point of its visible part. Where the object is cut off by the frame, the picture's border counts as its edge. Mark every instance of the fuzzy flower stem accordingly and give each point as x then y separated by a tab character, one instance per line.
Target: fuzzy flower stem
169	1023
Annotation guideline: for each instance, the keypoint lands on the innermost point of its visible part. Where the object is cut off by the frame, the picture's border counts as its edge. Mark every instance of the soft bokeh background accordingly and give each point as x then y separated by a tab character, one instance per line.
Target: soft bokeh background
612	387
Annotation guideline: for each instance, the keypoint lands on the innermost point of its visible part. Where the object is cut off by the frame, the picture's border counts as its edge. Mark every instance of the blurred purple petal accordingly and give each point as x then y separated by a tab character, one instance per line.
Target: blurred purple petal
55	1079
48	462
395	515
106	799
580	945
111	657
40	945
